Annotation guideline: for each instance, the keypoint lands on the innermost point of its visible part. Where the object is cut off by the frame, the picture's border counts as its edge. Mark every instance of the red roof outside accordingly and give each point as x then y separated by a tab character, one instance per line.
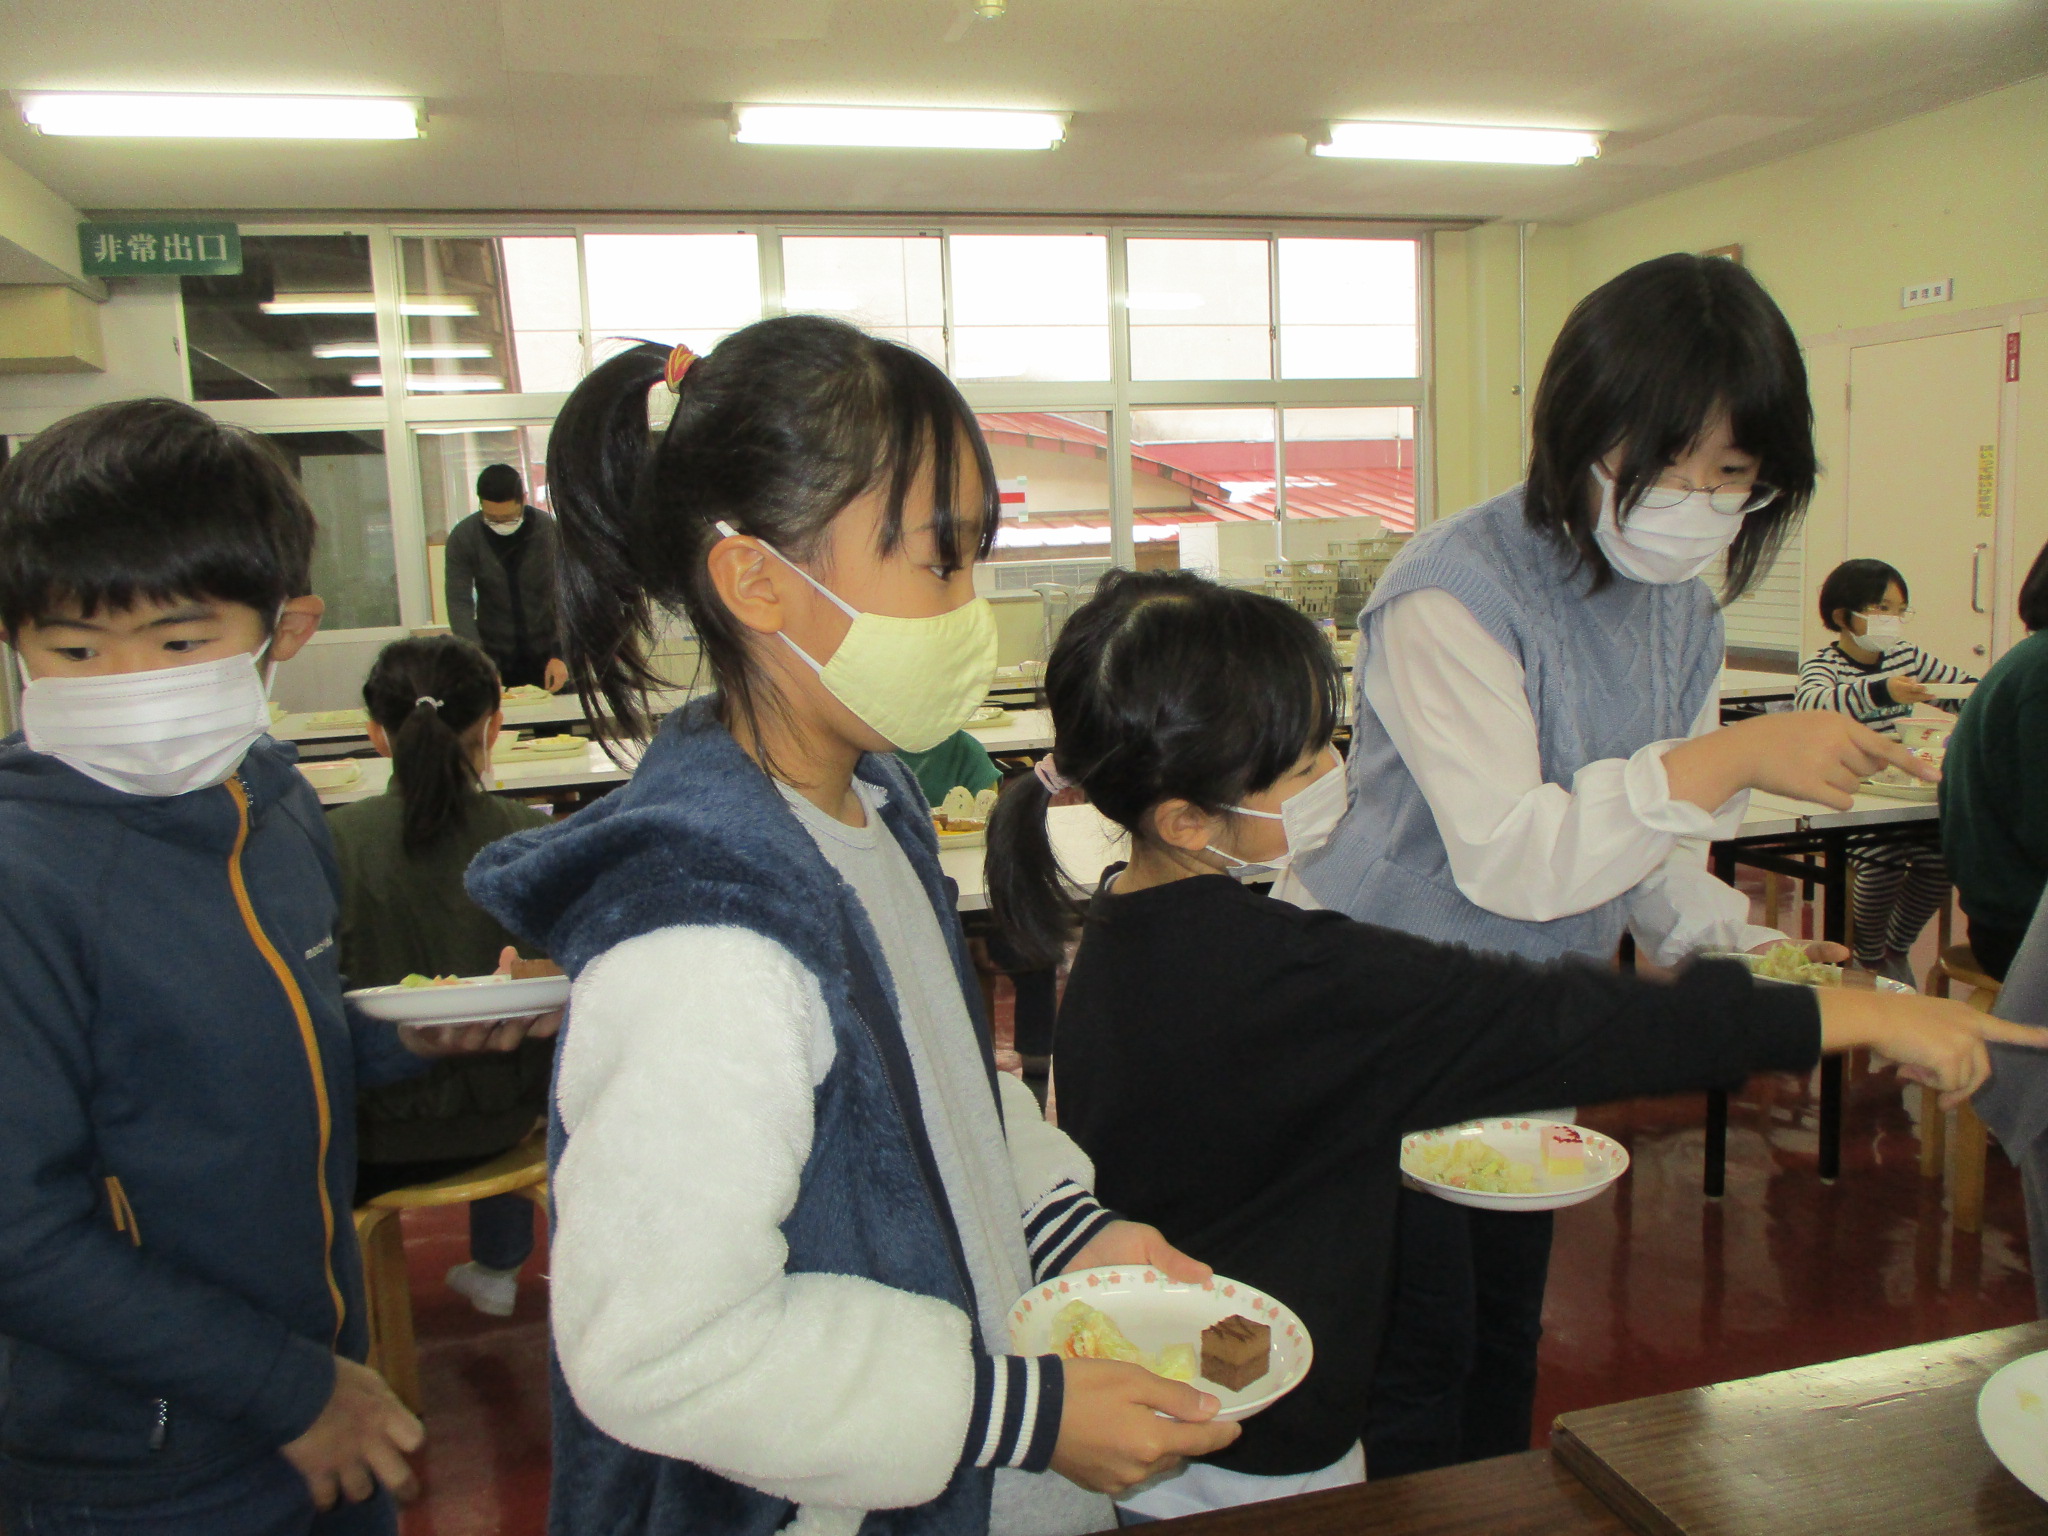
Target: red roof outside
1359	478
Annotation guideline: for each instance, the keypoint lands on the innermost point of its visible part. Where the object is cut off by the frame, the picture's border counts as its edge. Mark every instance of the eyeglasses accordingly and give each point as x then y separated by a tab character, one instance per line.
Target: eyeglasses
1728	500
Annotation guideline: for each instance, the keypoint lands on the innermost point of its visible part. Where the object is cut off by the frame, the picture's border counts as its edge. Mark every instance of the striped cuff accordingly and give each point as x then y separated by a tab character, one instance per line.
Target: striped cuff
1062	1223
1016	1418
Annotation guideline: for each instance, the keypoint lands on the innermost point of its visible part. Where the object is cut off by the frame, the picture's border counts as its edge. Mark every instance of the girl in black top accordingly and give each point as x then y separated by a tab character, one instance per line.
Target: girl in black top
1242	1070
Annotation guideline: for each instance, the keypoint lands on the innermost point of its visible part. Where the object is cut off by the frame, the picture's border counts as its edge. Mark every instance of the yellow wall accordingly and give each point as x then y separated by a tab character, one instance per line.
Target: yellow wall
1836	232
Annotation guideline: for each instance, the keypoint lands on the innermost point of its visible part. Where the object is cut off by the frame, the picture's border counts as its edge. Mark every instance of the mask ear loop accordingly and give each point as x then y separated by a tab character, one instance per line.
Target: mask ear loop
844	606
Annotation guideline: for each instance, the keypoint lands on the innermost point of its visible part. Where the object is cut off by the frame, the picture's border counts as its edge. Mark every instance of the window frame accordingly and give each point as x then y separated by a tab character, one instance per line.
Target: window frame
399	414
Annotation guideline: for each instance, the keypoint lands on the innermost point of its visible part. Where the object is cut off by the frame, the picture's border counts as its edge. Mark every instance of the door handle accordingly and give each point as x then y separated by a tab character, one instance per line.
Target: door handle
1977	580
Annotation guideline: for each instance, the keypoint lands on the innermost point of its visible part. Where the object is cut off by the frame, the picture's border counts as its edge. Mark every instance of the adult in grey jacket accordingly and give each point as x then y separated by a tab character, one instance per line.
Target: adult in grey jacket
501	582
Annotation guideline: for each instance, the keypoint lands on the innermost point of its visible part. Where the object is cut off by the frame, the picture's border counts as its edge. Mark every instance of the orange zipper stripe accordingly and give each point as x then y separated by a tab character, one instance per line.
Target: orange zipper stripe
123	1212
307	1038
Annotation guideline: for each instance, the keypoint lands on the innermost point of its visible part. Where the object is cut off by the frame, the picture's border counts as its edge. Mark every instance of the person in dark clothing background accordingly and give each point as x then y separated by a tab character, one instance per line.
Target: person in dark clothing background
501	582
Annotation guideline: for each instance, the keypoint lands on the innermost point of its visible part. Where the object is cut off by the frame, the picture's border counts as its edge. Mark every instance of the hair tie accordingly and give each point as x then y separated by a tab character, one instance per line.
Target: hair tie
426	699
679	362
1053	780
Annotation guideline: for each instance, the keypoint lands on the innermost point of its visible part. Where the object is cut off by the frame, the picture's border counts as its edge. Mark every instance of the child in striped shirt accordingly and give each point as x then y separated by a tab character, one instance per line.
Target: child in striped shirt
1875	675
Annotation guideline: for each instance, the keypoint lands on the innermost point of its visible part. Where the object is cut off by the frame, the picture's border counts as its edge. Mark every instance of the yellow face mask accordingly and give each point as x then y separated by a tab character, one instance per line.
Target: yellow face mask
914	682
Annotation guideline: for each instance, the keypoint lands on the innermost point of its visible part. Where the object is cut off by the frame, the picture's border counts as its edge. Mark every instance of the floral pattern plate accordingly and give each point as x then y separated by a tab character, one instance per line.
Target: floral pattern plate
1154	1311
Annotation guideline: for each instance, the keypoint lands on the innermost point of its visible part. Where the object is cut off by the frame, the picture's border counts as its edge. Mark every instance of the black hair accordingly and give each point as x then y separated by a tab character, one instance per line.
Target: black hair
775	432
429	693
149	501
500	482
1162	686
1643	364
1854	585
2034	594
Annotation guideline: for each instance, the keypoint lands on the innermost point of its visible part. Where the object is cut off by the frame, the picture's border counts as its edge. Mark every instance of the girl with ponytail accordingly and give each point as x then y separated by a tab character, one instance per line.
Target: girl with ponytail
433	707
1241	1070
794	1202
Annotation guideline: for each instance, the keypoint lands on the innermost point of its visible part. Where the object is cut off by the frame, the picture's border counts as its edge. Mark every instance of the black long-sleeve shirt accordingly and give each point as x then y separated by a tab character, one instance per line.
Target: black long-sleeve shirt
1242	1072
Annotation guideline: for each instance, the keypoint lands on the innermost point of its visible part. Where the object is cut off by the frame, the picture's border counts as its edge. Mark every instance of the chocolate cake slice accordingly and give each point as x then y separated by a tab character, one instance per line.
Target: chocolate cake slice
1235	1351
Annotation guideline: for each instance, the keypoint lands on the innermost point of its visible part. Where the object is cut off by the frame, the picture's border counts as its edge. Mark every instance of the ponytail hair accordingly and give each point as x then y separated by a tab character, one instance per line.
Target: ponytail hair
429	694
775	432
1163	686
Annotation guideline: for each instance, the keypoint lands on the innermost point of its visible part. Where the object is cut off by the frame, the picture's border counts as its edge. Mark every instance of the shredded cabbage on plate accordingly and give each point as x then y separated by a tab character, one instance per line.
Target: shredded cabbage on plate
1788	962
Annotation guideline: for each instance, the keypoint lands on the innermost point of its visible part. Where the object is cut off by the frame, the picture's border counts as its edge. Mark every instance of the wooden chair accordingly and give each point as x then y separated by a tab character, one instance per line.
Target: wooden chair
523	1170
1961	1156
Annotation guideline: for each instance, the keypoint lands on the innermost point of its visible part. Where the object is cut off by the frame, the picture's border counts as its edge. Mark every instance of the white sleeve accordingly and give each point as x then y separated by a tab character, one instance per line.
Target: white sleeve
1043	1156
686	1086
1453	702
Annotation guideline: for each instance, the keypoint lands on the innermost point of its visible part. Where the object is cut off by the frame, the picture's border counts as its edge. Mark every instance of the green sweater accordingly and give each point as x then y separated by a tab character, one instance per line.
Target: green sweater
958	761
402	913
1994	791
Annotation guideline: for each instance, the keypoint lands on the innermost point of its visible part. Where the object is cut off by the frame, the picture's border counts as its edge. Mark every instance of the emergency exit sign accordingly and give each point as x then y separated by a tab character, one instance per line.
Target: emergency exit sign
160	248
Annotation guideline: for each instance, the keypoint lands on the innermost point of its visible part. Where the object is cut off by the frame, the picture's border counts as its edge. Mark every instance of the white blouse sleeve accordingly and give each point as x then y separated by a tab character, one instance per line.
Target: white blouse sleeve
686	1086
1453	703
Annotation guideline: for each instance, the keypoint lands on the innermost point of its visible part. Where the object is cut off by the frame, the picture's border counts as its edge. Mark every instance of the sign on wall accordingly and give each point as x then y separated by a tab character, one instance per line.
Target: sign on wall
160	248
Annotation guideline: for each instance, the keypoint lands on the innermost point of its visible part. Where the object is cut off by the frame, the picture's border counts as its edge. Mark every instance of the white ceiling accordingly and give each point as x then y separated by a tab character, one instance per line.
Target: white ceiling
1180	106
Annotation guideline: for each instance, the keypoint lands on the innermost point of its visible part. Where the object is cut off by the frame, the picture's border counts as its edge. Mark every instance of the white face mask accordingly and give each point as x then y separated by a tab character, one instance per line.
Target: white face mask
1306	821
1883	629
167	732
914	682
1663	545
506	530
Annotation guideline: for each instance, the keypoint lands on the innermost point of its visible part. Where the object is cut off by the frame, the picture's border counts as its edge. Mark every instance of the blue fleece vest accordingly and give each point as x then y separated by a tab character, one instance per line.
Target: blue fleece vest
701	836
1606	674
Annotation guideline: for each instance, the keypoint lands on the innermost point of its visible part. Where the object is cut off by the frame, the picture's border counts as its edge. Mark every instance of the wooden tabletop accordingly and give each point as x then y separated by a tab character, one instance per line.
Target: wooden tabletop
1526	1495
1875	1445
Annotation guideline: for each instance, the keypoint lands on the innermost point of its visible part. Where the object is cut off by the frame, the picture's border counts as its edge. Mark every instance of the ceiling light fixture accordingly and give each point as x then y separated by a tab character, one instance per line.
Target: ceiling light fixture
1458	141
149	115
898	127
363	304
337	349
434	383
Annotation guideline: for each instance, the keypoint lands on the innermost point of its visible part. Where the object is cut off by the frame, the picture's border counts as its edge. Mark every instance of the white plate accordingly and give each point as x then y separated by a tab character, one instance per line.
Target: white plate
474	1000
527	693
1154	1311
2012	1413
988	714
1949	690
539	747
1520	1141
1924	794
1883	983
963	840
334	775
336	718
1922	732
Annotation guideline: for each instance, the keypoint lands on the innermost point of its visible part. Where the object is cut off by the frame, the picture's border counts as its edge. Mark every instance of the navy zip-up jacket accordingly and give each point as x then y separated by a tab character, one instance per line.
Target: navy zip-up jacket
177	1128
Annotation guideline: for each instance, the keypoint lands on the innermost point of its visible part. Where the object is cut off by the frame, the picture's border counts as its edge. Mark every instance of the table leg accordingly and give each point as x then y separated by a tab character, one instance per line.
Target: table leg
1716	1181
1834	929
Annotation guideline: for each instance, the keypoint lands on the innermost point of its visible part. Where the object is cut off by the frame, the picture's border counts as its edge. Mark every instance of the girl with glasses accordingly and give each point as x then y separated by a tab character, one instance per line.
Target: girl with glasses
1538	761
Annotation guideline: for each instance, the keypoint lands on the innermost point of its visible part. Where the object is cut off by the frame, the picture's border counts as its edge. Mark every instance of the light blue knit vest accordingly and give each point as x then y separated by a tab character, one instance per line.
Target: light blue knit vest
1606	673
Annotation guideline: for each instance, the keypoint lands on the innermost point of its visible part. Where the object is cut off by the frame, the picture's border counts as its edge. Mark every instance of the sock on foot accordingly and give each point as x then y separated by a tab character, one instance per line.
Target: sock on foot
493	1292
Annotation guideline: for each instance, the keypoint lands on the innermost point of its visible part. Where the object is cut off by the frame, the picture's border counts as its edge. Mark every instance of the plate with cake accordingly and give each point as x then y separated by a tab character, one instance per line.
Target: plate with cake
1227	1338
1516	1164
531	986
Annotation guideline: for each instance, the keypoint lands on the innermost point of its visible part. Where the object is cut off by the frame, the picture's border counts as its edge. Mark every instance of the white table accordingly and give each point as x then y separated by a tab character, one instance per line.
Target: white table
562	709
1772	815
1737	684
1022	730
541	776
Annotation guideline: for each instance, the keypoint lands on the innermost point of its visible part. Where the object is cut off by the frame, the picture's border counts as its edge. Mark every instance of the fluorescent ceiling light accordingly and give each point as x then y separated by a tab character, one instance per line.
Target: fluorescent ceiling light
362	304
1458	141
142	115
433	383
898	127
334	349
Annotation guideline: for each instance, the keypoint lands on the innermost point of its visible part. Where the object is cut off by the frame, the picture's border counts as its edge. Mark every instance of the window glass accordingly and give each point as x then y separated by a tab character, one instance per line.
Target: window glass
1202	488
451	306
298	322
1350	463
1200	309
891	285
354	568
1347	309
544	290
1030	307
696	289
450	459
1052	469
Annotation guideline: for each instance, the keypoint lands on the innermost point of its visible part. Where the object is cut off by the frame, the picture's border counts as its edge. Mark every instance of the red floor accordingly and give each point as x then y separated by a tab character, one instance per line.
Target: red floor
1652	1288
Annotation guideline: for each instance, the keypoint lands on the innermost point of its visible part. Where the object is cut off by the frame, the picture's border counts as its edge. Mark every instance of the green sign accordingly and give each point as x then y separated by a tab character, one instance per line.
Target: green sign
160	248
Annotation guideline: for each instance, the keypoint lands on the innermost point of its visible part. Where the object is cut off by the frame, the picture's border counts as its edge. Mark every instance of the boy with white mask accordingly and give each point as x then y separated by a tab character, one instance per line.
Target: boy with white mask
1537	757
181	1302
